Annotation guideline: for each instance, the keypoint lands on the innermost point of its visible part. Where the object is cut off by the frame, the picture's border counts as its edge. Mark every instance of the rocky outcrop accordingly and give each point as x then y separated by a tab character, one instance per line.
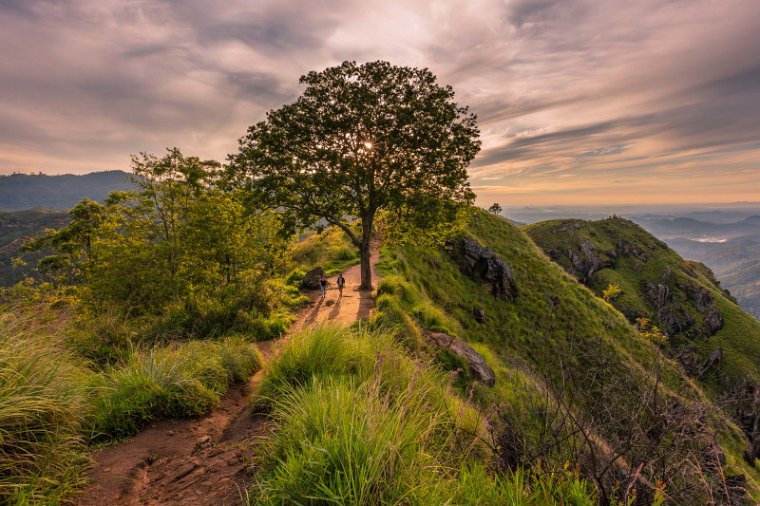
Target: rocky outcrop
671	316
627	249
589	261
479	314
713	321
715	357
475	360
310	280
482	264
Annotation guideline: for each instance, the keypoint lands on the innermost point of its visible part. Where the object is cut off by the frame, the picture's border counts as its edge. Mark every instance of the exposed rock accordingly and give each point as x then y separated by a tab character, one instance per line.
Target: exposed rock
713	321
625	248
658	294
589	261
310	280
715	357
479	314
480	263
690	359
699	296
477	364
672	317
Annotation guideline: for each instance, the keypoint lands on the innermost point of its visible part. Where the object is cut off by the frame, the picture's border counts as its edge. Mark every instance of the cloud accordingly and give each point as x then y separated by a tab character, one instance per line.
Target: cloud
607	98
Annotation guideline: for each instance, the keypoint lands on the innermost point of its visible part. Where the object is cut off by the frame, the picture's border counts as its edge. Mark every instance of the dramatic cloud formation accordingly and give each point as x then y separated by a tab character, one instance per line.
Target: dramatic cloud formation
580	101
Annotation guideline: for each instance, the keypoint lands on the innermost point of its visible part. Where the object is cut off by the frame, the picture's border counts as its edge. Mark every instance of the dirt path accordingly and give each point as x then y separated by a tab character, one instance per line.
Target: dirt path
354	305
203	461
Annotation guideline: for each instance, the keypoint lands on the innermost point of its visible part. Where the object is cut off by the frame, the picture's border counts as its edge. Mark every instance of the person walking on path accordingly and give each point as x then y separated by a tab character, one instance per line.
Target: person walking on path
341	281
323	286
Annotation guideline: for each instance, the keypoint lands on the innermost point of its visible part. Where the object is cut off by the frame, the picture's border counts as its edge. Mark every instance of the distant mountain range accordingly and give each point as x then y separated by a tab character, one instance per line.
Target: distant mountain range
30	191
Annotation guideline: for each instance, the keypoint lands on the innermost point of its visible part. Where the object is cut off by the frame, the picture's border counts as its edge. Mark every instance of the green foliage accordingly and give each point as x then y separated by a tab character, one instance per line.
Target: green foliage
41	401
370	426
651	332
331	249
178	381
179	249
361	139
612	292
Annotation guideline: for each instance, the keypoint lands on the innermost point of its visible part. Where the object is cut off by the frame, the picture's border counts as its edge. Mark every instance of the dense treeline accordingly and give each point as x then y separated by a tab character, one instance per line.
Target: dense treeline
181	247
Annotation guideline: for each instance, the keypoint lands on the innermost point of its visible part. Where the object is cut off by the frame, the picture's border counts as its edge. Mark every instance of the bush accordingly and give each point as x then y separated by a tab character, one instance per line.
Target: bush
180	381
331	249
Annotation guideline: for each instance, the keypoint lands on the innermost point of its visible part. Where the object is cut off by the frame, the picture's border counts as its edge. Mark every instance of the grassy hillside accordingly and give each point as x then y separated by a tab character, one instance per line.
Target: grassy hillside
682	297
712	337
360	420
557	336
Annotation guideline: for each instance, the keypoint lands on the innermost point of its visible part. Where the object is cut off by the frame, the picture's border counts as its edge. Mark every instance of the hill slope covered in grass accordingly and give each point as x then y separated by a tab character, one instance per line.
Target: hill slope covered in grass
707	332
575	381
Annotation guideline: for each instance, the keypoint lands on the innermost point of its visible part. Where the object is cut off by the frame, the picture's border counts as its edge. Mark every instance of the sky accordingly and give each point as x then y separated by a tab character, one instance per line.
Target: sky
579	101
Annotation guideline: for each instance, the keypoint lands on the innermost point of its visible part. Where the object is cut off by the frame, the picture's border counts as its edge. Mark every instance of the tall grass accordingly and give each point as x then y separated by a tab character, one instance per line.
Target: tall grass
177	381
41	405
360	422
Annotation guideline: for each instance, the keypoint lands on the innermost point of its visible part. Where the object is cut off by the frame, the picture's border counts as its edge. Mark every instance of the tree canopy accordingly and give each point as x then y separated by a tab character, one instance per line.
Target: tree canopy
179	246
363	139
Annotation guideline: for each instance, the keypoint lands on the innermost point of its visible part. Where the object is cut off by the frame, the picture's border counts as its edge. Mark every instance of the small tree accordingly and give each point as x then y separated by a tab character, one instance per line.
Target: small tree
612	292
362	139
495	208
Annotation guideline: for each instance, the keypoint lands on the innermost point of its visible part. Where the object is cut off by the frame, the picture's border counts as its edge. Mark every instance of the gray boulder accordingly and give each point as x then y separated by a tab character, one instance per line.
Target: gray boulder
475	360
310	280
480	263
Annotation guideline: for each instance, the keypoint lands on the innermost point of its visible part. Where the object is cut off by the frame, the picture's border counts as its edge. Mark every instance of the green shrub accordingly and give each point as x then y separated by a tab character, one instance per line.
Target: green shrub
179	381
103	339
331	249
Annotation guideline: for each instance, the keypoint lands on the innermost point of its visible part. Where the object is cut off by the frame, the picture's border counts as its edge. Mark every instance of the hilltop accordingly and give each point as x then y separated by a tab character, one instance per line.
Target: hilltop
29	191
712	338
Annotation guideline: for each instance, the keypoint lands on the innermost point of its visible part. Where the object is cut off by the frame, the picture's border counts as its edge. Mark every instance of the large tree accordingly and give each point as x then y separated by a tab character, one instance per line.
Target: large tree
362	139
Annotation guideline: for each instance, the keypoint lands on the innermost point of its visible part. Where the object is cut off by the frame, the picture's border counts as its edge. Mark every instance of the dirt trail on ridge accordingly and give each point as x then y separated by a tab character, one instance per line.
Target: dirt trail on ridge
204	461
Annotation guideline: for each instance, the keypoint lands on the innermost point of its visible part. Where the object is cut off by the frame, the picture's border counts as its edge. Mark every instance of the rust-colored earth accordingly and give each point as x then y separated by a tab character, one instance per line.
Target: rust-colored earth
204	461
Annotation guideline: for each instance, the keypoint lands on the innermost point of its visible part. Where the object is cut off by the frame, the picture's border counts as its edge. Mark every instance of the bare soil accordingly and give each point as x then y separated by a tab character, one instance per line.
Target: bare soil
205	461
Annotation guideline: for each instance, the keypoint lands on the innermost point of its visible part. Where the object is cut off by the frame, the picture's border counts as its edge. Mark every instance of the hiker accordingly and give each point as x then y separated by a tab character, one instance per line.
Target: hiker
323	286
341	283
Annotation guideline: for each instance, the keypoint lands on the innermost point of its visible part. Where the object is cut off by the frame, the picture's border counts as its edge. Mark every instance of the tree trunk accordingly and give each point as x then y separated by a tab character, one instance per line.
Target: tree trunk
364	252
366	268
